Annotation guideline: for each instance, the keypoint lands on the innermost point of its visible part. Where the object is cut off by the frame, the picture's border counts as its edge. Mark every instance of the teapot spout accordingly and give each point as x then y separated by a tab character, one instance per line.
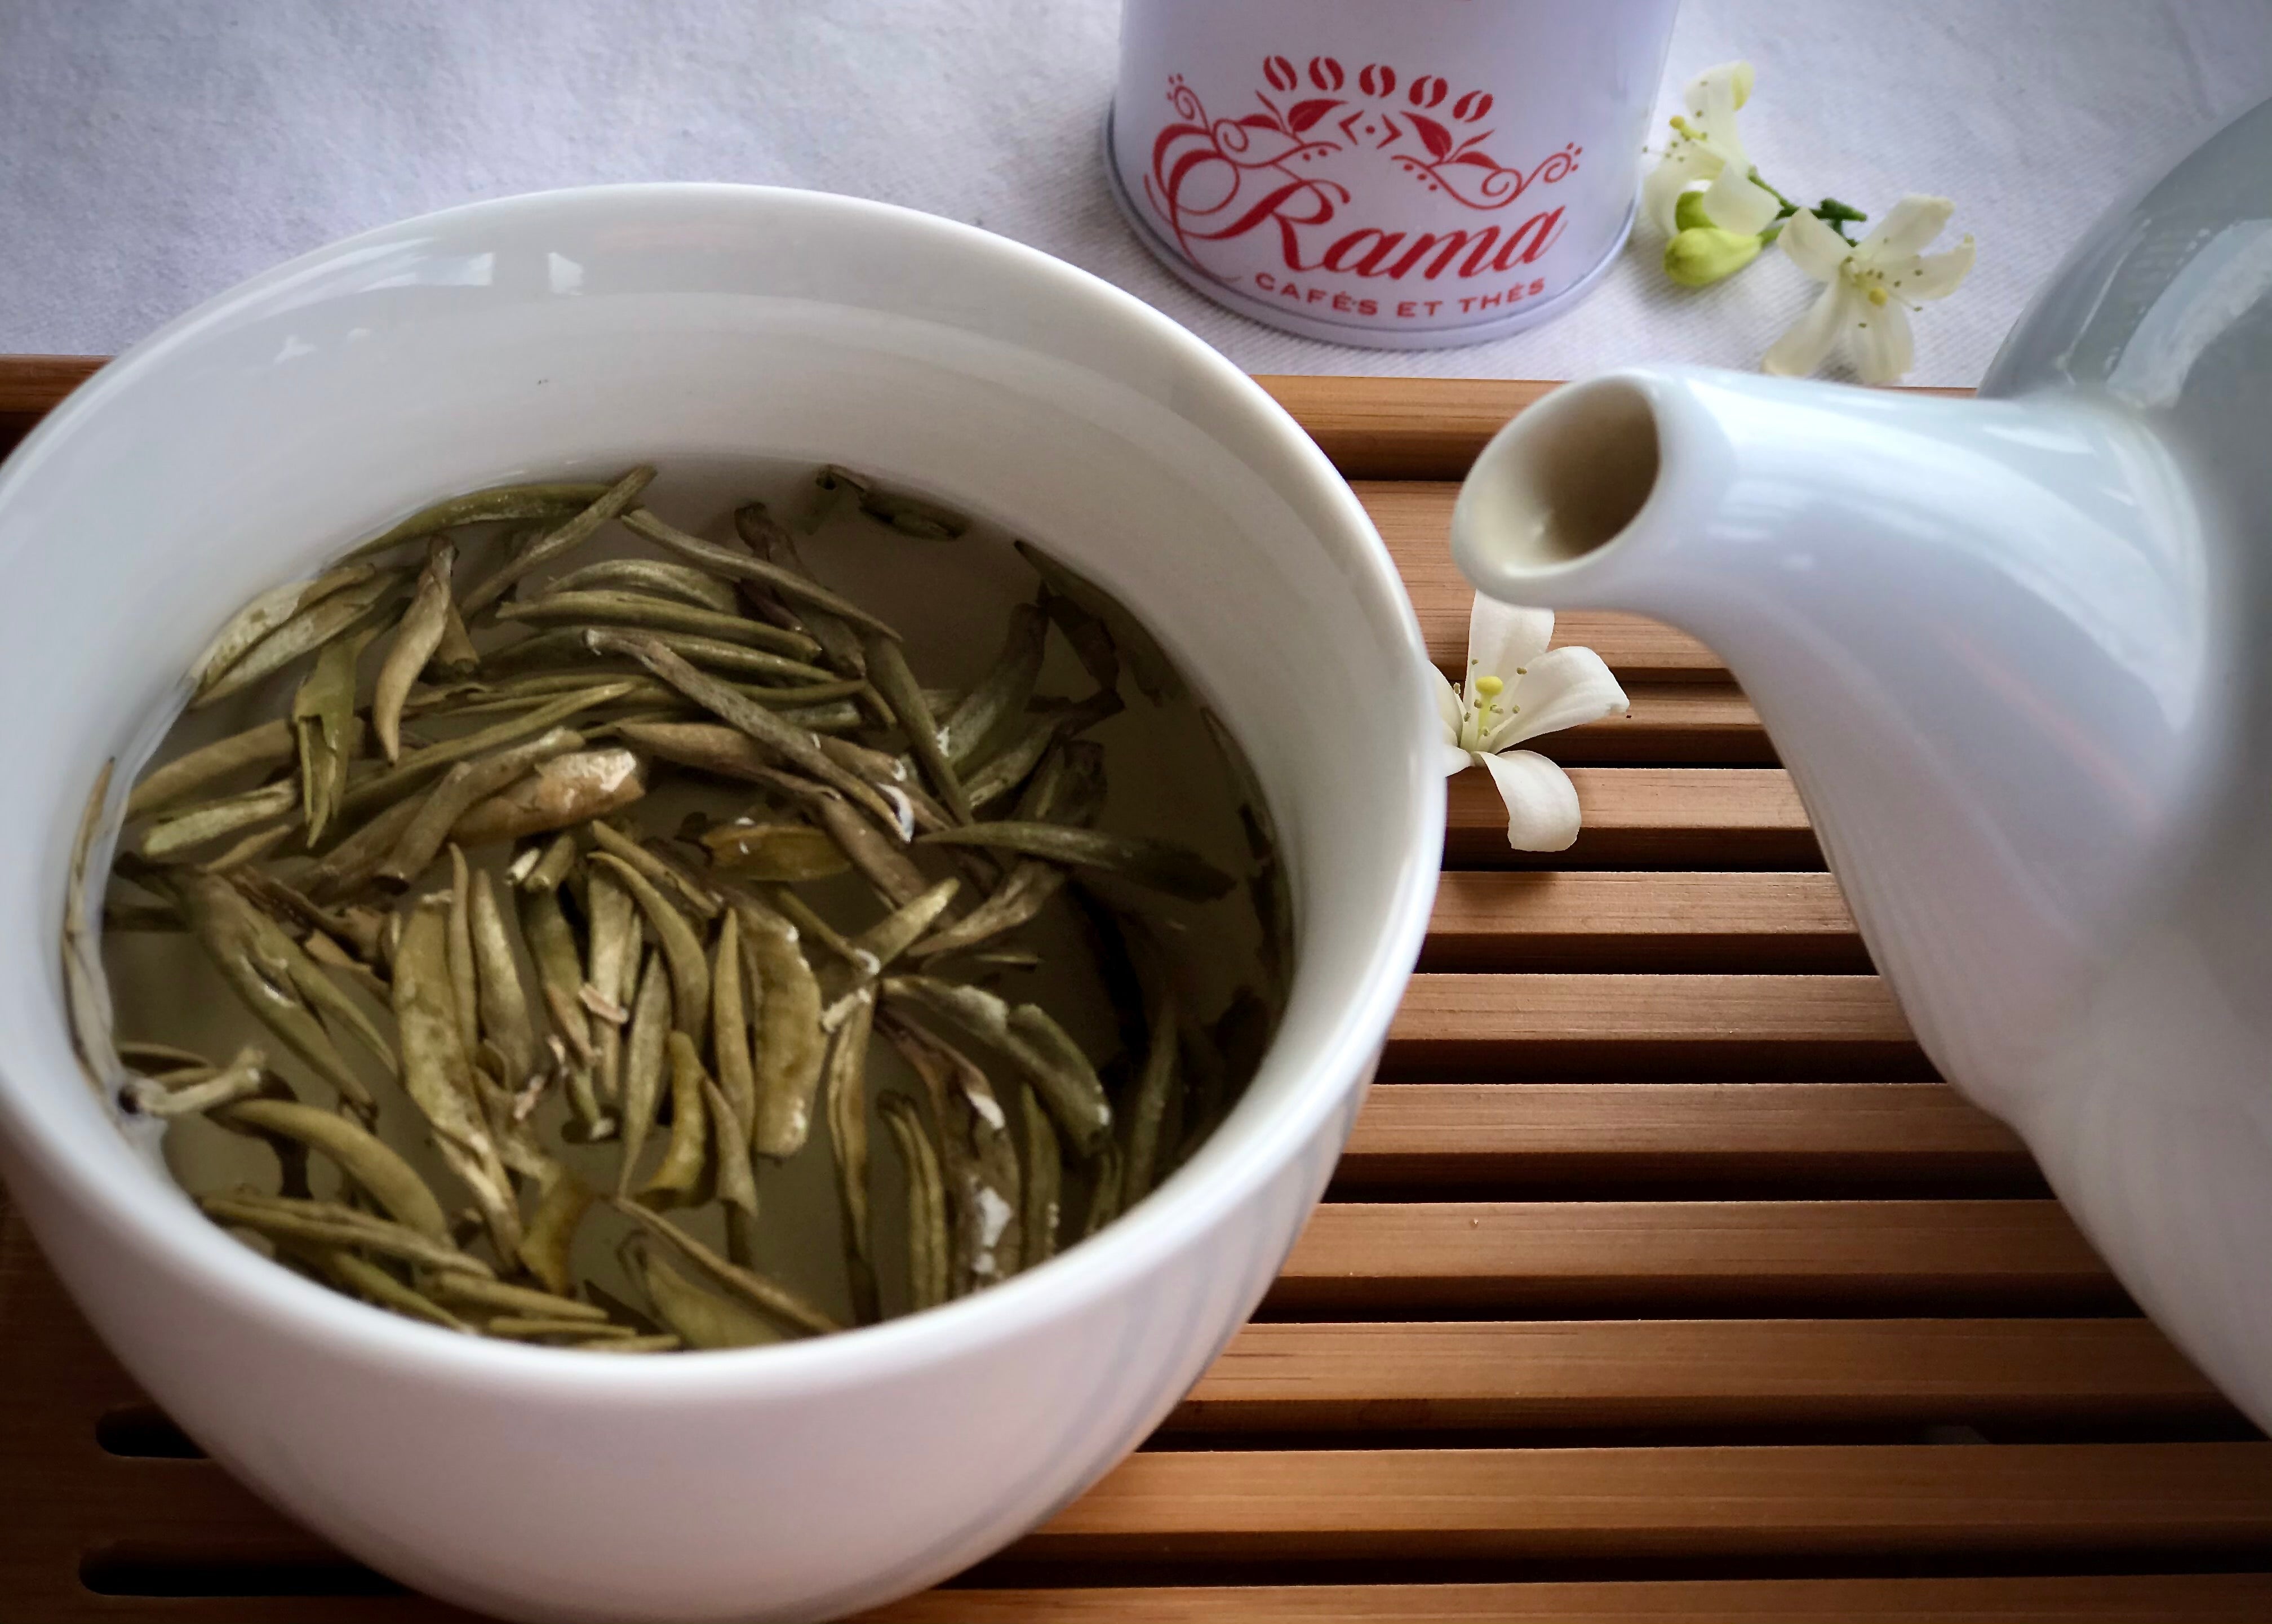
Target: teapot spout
1984	635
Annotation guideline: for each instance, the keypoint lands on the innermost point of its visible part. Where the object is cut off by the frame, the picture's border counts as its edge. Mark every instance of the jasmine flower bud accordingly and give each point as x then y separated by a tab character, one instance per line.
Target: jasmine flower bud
1703	255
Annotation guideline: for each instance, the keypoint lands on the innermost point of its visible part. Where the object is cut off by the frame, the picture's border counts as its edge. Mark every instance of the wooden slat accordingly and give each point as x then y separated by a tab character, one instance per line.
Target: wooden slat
162	1509
1685	817
1415	1135
1510	920
1449	1503
2152	1598
1406	1504
1717	726
1414	518
64	1492
67	1498
1692	1373
1415	428
1683	783
1605	1009
1893	1256
1669	722
185	1509
37	384
1550	1022
1372	428
1402	428
31	385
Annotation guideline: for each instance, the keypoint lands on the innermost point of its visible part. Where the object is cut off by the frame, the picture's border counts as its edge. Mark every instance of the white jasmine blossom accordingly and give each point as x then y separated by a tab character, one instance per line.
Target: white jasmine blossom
1707	146
1516	689
1869	288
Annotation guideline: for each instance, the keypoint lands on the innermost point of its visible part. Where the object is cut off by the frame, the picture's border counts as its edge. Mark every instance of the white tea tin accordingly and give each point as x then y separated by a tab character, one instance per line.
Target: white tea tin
1405	176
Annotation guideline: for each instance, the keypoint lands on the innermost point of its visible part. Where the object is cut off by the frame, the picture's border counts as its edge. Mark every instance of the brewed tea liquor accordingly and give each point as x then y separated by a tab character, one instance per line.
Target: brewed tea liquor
1409	177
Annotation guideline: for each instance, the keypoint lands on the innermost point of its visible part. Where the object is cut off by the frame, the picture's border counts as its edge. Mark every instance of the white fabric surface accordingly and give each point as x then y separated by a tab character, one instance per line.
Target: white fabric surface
154	152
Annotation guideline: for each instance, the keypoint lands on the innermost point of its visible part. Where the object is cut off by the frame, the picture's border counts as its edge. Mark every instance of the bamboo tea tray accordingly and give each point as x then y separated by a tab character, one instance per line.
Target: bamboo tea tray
1661	1280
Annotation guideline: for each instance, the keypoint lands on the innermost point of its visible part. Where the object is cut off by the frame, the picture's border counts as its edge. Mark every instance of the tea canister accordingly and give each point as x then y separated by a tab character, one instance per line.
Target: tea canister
1405	176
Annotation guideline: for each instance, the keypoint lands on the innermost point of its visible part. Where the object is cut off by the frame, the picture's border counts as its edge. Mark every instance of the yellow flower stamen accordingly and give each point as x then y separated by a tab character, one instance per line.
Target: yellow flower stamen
1877	296
1487	689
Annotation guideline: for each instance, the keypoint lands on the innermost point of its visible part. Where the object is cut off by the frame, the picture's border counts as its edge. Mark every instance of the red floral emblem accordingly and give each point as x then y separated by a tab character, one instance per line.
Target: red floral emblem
1211	180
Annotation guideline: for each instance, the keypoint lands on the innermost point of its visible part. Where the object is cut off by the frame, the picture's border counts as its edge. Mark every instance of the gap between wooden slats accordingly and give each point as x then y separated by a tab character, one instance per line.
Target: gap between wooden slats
342	1593
64	1492
181	1513
2107	1598
2159	1598
1648	1257
2114	1599
1692	1373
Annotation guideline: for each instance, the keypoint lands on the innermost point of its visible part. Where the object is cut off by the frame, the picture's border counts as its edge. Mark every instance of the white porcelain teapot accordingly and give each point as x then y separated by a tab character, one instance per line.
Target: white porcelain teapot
2017	653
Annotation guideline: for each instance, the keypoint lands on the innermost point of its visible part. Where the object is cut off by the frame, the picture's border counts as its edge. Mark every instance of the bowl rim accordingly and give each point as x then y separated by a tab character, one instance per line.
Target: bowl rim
1172	1220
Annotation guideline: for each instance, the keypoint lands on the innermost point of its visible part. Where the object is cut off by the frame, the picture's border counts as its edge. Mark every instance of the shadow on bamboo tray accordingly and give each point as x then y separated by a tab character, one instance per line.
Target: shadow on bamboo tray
1661	1280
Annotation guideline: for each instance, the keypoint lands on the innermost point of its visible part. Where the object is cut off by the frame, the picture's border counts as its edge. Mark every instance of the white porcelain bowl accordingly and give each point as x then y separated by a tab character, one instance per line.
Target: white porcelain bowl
576	332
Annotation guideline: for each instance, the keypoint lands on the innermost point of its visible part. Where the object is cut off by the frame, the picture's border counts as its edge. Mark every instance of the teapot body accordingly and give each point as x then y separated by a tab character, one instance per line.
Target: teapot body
2150	1106
2017	654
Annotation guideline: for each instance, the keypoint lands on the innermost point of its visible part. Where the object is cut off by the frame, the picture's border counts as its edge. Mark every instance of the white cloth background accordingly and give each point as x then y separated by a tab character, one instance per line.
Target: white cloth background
154	152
